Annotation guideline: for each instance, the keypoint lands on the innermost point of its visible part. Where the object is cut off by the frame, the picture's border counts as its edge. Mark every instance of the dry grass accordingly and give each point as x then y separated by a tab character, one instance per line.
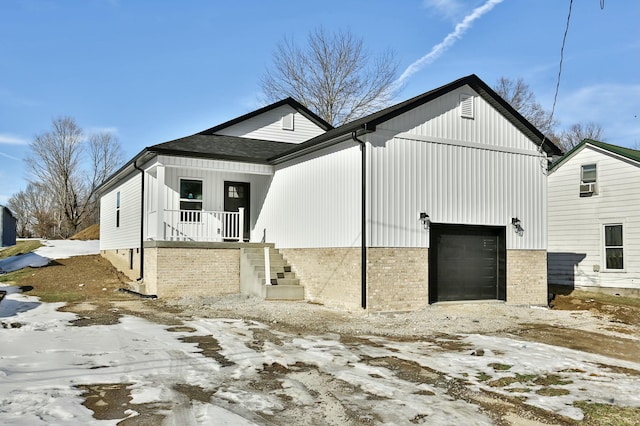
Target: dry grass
90	233
21	247
607	298
81	278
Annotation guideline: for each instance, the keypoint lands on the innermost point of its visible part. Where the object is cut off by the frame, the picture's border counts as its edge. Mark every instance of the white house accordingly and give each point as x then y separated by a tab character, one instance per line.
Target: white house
594	218
439	198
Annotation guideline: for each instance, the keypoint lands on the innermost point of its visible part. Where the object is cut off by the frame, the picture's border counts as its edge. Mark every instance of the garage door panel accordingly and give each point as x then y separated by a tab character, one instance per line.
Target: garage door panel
466	263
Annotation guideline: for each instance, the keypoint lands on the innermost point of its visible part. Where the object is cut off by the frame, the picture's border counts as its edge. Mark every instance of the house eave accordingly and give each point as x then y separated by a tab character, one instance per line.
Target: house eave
129	167
222	157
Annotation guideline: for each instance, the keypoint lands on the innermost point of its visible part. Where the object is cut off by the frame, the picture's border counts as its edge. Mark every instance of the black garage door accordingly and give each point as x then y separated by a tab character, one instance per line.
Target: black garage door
466	263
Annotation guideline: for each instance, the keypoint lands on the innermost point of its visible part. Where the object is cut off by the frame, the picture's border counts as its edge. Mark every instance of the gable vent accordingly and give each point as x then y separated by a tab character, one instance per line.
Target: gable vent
287	122
466	106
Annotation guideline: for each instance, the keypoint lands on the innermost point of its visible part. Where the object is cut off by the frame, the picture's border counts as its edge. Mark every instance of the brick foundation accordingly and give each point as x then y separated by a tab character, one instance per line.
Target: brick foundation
330	276
397	279
191	269
527	277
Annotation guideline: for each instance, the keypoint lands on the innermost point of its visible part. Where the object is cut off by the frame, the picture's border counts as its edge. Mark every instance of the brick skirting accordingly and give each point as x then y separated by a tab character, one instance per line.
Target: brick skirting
527	277
397	278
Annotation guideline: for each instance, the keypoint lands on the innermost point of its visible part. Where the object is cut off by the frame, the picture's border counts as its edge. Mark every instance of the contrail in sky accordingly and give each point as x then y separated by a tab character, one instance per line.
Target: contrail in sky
448	41
11	157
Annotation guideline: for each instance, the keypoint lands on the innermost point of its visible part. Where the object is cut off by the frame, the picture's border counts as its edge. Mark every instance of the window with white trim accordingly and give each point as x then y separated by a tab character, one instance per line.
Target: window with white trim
613	247
588	180
190	200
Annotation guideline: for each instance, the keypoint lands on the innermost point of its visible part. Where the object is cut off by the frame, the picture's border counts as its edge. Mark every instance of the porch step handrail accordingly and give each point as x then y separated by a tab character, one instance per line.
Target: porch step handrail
203	225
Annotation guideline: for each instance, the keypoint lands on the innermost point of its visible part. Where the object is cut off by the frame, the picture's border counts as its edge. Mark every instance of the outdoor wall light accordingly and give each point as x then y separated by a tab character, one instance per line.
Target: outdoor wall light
424	218
517	226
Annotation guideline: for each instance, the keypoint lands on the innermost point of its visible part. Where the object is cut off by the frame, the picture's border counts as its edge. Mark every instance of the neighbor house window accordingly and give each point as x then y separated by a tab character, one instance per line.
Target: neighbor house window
118	209
588	180
613	249
588	173
190	200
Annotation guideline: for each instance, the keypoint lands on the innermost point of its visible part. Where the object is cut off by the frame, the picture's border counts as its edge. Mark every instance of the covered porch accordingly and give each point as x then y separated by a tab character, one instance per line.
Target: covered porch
203	200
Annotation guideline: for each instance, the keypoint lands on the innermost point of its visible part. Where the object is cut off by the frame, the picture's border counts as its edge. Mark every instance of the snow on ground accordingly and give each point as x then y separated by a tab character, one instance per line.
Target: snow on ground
63	249
51	249
43	360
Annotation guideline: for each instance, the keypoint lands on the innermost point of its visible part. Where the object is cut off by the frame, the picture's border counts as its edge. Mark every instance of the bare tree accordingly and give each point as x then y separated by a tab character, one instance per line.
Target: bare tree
72	166
34	208
332	75
578	132
518	94
20	207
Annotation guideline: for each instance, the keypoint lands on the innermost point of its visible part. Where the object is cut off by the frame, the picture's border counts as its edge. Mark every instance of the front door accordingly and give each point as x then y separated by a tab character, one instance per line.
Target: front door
236	195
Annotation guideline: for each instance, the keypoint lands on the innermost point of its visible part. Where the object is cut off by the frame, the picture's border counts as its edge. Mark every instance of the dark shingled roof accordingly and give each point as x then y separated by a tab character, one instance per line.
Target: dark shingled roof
223	147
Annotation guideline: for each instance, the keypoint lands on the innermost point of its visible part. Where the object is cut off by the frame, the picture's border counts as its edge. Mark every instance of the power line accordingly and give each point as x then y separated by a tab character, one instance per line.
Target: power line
564	40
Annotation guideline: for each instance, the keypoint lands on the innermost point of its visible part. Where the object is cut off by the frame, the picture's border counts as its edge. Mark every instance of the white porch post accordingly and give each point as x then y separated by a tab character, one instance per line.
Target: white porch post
267	267
241	224
160	206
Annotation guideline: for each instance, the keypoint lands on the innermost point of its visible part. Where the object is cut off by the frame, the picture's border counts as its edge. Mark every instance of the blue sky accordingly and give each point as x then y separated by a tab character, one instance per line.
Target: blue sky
156	70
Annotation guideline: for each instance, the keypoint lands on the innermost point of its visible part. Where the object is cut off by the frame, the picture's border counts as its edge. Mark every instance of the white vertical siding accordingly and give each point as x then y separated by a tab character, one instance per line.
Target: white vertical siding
268	126
127	235
220	165
212	187
315	201
454	184
480	171
441	118
576	223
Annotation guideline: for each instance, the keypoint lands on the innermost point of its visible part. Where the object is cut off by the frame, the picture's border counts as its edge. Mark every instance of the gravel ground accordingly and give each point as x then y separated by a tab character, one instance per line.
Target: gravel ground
450	318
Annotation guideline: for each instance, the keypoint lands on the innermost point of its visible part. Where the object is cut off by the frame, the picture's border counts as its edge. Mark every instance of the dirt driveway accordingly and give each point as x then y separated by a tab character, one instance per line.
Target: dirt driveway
300	363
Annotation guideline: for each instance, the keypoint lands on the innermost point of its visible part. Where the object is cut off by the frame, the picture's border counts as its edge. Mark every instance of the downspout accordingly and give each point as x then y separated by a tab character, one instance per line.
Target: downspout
135	166
363	215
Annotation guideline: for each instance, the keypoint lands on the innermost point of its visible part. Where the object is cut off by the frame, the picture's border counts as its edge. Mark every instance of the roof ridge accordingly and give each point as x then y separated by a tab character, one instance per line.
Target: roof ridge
286	101
630	153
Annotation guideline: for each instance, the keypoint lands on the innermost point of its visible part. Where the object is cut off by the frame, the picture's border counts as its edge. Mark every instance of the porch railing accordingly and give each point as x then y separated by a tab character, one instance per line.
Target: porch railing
201	225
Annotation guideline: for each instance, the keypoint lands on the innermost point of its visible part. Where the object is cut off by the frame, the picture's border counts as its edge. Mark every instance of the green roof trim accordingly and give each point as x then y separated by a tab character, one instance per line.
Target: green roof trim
631	154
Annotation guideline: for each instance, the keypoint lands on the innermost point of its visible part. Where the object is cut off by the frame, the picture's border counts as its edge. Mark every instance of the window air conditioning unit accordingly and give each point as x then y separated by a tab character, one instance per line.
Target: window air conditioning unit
587	188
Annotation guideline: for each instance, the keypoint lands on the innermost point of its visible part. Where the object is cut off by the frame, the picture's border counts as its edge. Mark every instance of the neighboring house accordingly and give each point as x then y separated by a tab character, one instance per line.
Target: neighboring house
439	198
8	226
594	218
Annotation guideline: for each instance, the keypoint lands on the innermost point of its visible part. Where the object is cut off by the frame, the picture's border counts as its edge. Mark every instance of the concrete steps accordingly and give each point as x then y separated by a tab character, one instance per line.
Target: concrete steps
283	283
